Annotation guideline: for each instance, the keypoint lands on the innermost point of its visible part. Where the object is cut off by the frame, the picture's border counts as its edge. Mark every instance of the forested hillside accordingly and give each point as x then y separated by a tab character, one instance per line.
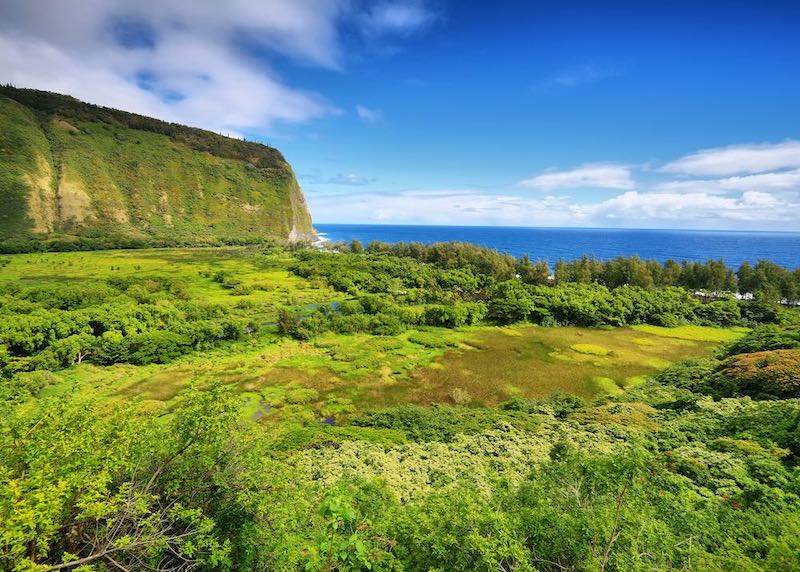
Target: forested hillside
78	176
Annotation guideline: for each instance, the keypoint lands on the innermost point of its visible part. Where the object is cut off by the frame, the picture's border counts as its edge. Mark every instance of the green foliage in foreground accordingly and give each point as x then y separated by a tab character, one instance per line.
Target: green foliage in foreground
614	485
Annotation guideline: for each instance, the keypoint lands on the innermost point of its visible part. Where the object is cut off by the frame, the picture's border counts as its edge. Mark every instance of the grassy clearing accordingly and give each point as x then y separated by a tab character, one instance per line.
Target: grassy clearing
265	278
537	361
693	333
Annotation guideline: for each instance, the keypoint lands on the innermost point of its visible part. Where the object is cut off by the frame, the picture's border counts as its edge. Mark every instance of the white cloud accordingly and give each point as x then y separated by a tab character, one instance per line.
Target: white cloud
191	62
368	115
396	17
781	182
351	179
761	201
595	175
445	207
632	209
738	159
689	209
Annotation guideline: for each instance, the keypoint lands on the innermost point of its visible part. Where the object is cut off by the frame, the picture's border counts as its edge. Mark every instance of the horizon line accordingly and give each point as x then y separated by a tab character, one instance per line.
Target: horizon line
612	228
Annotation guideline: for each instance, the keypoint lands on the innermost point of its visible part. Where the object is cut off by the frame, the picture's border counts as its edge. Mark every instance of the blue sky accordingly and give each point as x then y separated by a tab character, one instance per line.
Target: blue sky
548	113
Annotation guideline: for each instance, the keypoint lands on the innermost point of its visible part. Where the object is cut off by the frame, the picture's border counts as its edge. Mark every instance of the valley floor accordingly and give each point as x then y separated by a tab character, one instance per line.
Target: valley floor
248	409
333	375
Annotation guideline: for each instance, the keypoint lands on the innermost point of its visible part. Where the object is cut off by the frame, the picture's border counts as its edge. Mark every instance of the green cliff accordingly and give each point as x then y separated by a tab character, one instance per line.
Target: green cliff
71	171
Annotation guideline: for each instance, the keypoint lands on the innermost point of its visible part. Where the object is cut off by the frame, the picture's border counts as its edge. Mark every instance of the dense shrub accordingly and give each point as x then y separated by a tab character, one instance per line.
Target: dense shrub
720	312
692	374
773	374
157	346
765	337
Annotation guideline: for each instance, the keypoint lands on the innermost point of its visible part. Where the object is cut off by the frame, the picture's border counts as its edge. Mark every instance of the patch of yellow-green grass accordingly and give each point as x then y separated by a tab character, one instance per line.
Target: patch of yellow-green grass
301	395
634	381
647	342
511	332
657	363
251	404
337	406
513	391
600	385
694	333
275	395
570	356
591	349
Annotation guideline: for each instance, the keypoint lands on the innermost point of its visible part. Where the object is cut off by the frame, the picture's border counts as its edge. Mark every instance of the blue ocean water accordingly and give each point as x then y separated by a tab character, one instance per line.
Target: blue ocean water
553	243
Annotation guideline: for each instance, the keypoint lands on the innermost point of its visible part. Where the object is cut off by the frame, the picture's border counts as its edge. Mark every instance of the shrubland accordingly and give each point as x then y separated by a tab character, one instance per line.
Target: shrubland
323	461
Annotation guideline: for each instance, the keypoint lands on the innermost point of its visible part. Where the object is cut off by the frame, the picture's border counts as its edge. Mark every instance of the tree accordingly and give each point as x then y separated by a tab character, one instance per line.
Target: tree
747	278
158	346
510	302
561	274
533	273
672	273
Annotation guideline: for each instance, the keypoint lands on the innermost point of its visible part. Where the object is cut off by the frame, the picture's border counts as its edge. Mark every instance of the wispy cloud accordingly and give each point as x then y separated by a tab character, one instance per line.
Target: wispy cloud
368	115
445	206
659	199
580	75
688	209
738	159
779	181
633	209
590	175
395	17
350	179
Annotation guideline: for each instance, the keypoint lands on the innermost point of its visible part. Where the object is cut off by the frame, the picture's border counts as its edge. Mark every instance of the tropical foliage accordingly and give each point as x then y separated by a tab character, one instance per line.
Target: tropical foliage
694	468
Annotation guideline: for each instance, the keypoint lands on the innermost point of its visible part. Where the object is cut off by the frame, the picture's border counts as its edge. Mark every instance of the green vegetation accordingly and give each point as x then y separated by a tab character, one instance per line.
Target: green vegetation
255	408
75	176
694	333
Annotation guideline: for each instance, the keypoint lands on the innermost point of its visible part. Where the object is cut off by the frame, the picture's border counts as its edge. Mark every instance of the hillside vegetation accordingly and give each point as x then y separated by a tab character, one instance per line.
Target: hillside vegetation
257	408
78	176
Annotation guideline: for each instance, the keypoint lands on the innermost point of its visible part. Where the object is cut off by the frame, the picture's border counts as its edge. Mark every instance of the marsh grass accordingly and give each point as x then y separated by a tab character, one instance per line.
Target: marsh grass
494	366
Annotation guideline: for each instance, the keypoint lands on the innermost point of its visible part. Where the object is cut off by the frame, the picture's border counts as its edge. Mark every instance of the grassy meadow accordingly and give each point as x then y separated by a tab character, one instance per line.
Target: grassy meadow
334	375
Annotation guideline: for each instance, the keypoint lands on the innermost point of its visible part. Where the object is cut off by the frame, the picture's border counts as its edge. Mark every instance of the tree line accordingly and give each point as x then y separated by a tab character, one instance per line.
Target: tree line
453	285
765	278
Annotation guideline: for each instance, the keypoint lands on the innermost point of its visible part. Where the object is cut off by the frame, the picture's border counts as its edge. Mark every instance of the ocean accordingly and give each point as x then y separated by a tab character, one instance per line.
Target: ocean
550	244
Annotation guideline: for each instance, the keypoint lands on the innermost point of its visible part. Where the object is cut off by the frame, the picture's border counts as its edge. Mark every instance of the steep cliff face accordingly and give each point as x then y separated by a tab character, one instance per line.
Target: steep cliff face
72	169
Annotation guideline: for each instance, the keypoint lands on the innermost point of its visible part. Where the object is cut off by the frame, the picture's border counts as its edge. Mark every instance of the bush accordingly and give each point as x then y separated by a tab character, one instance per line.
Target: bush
765	337
509	302
692	374
721	312
386	325
158	346
773	374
